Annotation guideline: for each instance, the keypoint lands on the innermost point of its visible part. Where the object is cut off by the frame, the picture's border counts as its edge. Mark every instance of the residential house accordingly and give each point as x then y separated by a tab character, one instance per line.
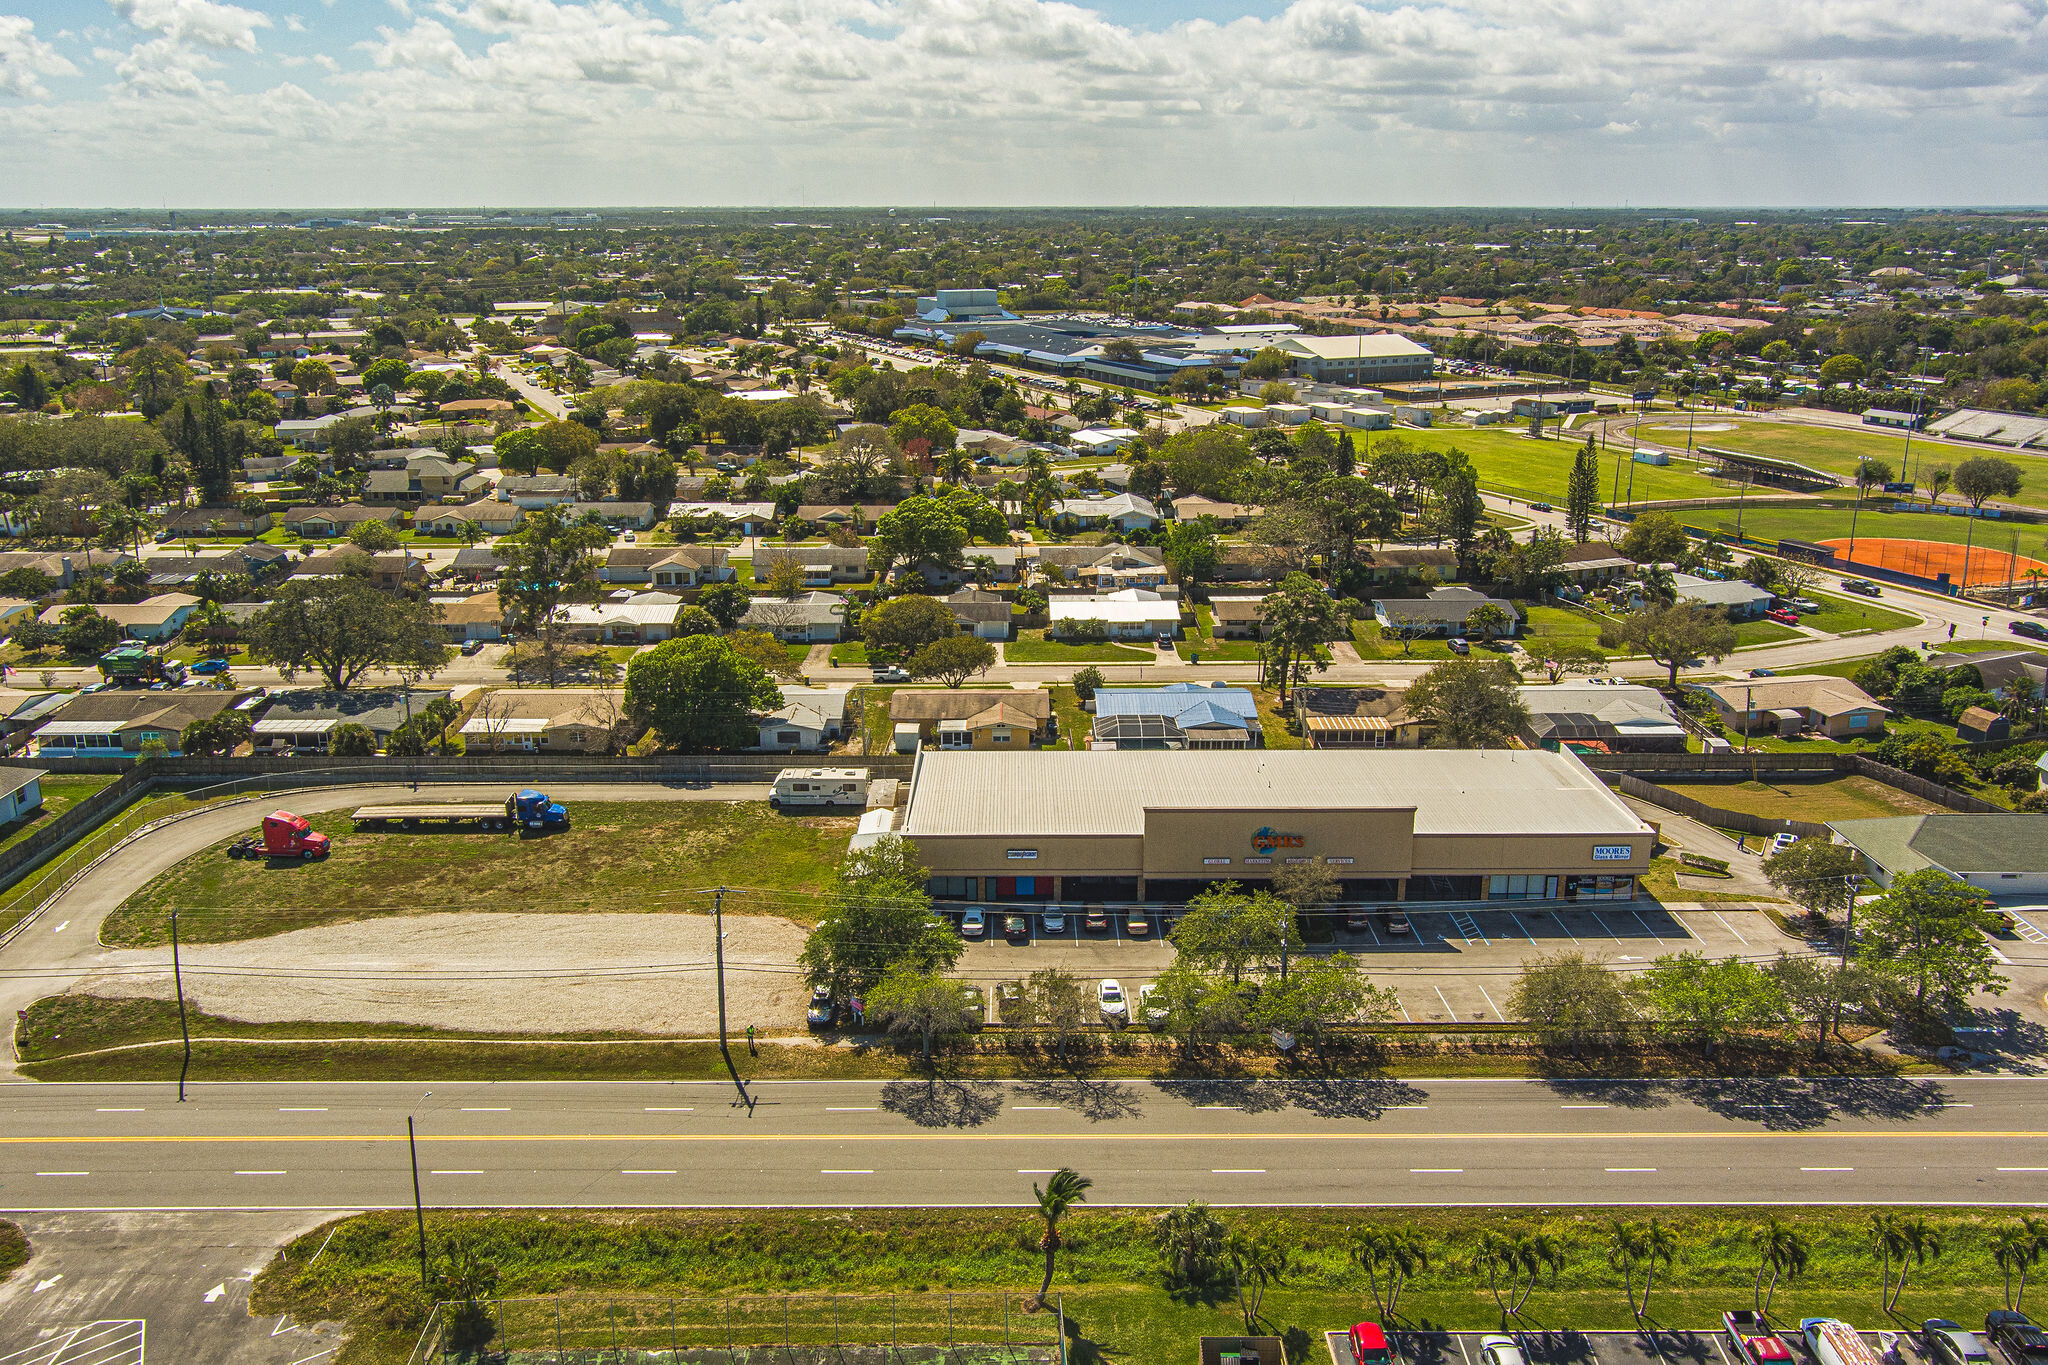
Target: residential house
477	564
265	469
348	559
476	409
813	618
1237	618
859	517
637	516
2000	855
22	711
477	617
1239	562
1088	564
1356	718
21	793
216	521
1445	611
490	515
2001	670
118	724
255	561
153	619
748	518
821	565
389	486
1408	566
534	491
1834	707
666	566
633	621
1593	564
982	614
335	521
308	433
1177	716
561	720
305	722
1133	614
1123	512
396	569
13	611
1229	513
969	719
1598	717
59	568
1002	567
1097	440
810	718
1741	601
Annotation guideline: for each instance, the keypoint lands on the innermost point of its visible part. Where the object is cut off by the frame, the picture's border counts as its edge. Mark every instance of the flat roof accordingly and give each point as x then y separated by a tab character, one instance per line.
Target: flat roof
1453	791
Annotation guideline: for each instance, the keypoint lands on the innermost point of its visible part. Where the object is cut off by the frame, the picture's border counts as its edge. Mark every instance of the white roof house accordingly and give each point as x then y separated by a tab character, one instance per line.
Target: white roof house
1101	440
1126	510
1133	611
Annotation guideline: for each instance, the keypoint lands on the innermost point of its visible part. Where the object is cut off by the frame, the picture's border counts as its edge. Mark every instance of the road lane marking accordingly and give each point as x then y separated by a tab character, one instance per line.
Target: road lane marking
1240	1171
58	1173
119	1111
259	1172
2023	1168
1585	1106
1436	1170
1035	1108
62	927
646	1172
454	1172
845	1172
671	1109
302	1111
851	1108
1728	1134
1827	1168
1631	1170
499	1109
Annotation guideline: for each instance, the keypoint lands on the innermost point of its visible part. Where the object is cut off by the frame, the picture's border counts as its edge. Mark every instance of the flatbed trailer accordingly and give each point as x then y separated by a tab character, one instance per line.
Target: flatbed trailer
481	815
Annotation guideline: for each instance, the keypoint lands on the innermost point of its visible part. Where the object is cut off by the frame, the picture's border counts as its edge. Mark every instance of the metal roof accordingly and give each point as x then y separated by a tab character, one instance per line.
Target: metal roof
1960	844
1457	791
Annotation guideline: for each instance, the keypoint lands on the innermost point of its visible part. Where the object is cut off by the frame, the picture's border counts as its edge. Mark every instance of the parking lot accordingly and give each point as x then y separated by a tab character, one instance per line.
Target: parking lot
1567	1346
1455	965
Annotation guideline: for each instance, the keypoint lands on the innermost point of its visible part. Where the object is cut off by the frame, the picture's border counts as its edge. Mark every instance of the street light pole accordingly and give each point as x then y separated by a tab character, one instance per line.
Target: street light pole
718	951
419	1212
184	1032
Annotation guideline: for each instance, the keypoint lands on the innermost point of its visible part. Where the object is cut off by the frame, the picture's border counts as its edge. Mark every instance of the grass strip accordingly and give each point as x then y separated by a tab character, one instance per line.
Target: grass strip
1111	1273
14	1249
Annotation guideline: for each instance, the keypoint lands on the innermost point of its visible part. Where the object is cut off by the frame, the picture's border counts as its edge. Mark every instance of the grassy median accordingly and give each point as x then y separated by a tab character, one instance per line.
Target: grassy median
14	1250
1112	1275
84	1037
615	856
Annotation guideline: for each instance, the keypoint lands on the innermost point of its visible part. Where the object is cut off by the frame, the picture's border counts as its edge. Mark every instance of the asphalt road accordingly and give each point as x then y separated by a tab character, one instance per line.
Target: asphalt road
1972	1140
62	945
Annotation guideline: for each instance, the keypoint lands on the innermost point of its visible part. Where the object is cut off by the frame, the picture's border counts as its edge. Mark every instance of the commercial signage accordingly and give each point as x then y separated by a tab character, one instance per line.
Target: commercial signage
1215	862
1612	853
1266	839
1023	853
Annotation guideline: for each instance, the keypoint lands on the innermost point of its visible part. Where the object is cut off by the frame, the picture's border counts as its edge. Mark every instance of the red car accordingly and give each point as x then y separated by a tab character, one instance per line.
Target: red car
1789	617
1369	1345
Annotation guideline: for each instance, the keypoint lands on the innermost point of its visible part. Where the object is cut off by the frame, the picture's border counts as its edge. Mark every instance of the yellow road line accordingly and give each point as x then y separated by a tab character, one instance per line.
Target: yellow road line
1948	1135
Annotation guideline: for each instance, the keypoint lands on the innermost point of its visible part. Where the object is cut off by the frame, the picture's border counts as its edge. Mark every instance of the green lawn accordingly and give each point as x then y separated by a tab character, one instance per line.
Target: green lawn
1203	643
1031	647
1987	644
59	795
850	654
1762	633
1842	798
1853	615
1837	450
1510	462
1110	1275
629	856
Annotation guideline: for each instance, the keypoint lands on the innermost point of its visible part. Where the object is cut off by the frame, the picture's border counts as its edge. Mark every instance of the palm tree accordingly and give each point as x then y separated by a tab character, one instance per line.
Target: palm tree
1396	1254
1262	1261
1193	1242
953	465
1924	1243
1658	1246
1065	1189
1783	1252
2014	1250
984	568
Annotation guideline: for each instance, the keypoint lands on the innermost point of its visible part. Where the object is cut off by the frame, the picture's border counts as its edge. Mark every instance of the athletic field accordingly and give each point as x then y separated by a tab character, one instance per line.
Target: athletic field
1931	557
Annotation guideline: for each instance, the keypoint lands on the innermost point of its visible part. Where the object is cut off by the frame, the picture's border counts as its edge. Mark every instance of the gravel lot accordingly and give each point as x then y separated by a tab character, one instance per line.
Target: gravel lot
491	972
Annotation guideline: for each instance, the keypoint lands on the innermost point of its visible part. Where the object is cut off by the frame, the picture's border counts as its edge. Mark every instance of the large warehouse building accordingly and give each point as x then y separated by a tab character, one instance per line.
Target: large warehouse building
1391	825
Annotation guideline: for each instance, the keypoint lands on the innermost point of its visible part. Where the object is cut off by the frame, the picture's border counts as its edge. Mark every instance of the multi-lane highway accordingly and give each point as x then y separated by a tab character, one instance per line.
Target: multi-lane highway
1424	1142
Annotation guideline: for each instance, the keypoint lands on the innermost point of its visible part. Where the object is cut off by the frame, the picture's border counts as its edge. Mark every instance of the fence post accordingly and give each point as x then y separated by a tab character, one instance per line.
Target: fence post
558	1327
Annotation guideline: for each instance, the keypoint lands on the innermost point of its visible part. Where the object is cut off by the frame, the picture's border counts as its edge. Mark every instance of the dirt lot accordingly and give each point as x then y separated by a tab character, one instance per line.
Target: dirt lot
516	973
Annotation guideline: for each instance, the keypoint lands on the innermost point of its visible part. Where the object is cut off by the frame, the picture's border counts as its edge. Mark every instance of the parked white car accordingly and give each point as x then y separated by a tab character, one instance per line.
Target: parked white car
974	923
1110	995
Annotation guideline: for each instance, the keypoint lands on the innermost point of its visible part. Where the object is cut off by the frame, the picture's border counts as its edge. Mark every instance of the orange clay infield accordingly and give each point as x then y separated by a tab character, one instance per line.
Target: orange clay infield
1930	557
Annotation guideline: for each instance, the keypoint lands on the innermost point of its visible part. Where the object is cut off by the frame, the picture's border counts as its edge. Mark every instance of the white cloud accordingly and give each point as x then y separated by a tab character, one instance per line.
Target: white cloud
25	60
1044	101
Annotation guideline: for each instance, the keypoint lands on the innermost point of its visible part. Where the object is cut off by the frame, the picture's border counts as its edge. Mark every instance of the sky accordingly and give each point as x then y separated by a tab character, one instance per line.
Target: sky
442	103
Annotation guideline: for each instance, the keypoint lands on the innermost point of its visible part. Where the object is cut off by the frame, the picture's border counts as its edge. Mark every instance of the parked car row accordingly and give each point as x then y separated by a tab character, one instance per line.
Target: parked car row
976	922
1750	1339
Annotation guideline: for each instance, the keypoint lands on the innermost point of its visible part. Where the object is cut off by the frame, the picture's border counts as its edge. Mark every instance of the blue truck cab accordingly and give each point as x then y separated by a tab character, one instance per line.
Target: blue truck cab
534	811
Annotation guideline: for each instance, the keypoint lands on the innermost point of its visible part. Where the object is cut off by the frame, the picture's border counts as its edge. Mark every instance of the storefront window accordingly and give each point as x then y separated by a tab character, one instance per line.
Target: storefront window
1518	887
1601	888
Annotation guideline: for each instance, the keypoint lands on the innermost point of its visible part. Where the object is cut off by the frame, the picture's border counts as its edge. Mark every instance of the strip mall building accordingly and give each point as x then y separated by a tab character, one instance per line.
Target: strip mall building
1391	825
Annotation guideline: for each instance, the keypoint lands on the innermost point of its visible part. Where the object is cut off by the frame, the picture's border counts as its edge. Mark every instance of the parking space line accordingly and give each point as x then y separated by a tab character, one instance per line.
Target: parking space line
1601	920
1717	1349
1460	1339
1447	1004
62	1173
1404	1008
1646	926
1731	929
1489	1000
1523	927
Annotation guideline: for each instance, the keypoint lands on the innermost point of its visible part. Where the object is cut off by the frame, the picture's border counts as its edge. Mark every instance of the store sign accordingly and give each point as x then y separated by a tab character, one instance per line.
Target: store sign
1266	839
1612	853
1215	862
1023	853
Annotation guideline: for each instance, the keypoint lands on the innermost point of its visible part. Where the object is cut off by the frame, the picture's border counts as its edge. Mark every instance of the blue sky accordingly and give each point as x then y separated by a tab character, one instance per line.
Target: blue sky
429	102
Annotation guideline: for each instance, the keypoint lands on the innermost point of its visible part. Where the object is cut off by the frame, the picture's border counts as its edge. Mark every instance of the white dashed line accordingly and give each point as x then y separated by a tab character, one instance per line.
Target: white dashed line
845	1172
646	1172
301	1111
1827	1168
1436	1170
671	1109
119	1111
1239	1172
58	1173
495	1109
1585	1106
1631	1170
259	1172
454	1172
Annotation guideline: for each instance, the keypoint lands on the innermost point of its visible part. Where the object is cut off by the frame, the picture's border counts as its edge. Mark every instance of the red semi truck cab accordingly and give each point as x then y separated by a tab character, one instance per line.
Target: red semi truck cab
289	836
